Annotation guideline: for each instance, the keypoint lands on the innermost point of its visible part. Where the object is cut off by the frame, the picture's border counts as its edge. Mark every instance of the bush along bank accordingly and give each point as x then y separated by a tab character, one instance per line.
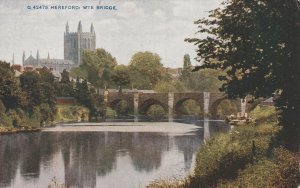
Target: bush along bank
17	121
247	156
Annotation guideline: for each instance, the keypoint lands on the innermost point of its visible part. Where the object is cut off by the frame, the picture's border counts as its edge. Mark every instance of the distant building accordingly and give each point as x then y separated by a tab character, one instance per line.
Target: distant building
55	64
76	42
174	72
74	45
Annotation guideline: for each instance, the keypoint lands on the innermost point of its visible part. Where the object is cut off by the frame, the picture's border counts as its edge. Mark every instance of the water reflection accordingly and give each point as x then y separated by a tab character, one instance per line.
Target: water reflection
87	159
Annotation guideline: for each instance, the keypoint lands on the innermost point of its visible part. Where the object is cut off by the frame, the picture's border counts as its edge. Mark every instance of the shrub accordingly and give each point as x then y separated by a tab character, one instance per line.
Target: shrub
71	113
15	118
171	183
279	171
223	156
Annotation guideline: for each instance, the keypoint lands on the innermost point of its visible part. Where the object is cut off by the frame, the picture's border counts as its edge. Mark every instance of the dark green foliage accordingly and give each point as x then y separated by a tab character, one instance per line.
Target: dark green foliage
30	83
282	171
89	98
46	113
121	76
10	92
257	44
96	67
65	77
223	156
40	90
65	86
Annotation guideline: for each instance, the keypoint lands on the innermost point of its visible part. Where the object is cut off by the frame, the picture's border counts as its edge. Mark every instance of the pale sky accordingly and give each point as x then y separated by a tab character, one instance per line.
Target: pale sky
158	26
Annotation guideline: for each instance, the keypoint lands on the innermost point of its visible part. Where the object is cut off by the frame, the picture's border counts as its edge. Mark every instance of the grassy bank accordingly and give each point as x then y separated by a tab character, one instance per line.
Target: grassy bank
67	113
64	113
244	157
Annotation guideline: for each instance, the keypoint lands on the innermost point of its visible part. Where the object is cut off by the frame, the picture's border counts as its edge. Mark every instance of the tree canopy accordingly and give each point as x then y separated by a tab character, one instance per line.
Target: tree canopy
256	43
145	70
10	93
96	67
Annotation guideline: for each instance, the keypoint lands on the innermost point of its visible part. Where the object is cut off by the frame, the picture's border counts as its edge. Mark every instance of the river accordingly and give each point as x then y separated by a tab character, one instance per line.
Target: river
106	155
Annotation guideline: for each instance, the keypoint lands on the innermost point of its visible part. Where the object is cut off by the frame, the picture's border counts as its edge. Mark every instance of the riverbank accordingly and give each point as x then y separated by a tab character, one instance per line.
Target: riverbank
64	113
247	156
12	130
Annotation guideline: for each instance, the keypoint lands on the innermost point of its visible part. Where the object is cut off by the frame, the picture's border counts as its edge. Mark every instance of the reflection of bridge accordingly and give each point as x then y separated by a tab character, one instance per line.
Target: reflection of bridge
140	101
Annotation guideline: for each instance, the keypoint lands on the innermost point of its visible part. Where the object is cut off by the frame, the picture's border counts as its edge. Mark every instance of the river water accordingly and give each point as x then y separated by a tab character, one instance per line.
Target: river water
107	155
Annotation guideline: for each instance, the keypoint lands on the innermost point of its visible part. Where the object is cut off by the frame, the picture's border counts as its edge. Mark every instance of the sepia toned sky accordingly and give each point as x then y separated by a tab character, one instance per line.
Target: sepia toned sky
158	26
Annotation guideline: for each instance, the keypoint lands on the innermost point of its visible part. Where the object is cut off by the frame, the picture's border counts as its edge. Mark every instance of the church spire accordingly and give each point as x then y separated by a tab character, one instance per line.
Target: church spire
37	57
13	59
92	28
67	28
79	30
48	56
23	58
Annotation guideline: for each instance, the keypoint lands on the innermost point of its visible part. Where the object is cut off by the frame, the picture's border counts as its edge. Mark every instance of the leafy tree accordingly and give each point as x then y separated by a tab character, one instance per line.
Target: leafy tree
30	83
96	67
187	67
170	86
65	86
46	113
257	44
203	80
95	104
89	98
65	77
10	92
145	70
121	76
40	89
82	91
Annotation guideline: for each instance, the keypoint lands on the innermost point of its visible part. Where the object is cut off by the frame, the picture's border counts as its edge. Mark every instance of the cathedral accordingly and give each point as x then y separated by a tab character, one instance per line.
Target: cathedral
74	45
76	42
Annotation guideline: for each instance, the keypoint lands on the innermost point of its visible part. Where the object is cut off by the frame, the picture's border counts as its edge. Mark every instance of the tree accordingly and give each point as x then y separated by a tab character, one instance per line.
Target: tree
145	70
121	76
187	67
256	43
10	92
96	67
65	77
170	86
39	89
88	98
82	92
30	83
65	86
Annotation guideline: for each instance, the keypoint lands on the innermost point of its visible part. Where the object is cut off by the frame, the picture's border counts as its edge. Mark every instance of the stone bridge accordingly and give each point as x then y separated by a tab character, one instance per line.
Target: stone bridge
140	101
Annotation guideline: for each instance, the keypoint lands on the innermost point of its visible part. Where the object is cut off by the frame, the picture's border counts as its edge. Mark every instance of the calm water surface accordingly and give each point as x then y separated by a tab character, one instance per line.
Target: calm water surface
99	159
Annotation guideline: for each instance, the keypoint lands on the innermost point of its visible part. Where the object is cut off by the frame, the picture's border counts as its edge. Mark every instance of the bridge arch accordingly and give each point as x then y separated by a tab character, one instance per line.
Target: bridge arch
179	105
121	106
232	106
148	103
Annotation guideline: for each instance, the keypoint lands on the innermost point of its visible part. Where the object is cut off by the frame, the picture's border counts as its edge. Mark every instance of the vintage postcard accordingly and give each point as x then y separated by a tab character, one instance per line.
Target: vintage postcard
149	93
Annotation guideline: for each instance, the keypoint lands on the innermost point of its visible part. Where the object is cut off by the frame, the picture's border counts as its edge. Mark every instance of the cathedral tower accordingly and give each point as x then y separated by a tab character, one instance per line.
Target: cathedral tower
76	42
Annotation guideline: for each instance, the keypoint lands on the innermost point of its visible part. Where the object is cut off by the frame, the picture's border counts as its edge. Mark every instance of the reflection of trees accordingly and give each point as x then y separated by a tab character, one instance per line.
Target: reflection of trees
188	144
86	155
147	151
9	157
